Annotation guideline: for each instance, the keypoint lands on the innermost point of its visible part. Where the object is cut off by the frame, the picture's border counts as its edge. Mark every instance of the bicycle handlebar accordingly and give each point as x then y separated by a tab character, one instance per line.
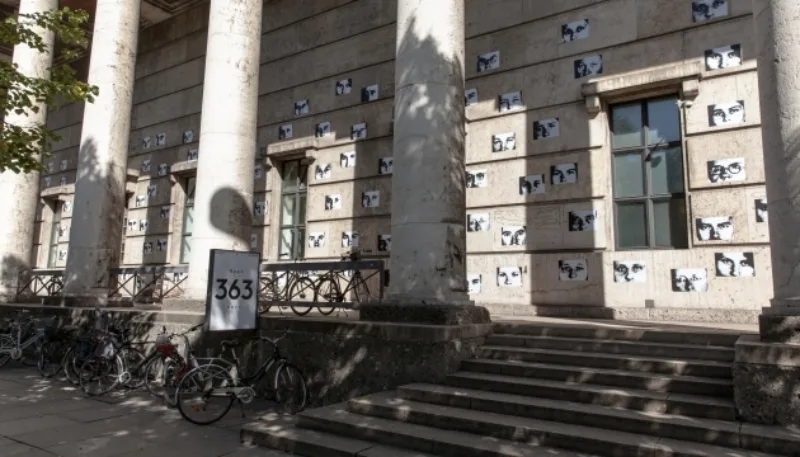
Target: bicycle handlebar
274	341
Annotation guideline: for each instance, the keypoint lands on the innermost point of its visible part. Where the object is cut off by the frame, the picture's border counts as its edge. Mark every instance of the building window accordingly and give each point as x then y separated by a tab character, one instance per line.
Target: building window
188	221
649	192
55	232
293	210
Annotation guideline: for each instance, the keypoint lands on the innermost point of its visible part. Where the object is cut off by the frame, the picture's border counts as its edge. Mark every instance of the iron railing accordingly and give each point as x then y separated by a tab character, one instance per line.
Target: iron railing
297	285
32	284
147	284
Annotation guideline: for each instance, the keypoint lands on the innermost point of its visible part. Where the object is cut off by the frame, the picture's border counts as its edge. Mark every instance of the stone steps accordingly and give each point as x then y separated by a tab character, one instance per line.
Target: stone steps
708	431
648	349
686	367
442	442
637	400
616	378
603	331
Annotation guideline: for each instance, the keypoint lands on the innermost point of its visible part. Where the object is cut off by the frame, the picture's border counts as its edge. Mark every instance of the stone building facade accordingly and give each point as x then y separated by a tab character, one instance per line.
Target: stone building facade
613	151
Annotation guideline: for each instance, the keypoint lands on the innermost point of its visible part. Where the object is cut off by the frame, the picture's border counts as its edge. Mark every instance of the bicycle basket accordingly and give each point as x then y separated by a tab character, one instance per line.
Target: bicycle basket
105	348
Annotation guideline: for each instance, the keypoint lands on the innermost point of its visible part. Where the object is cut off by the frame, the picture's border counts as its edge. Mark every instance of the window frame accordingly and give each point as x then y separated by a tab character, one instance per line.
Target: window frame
298	190
649	198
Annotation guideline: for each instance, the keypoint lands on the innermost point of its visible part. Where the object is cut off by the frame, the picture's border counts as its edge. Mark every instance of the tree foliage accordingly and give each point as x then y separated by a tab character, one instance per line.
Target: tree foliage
22	147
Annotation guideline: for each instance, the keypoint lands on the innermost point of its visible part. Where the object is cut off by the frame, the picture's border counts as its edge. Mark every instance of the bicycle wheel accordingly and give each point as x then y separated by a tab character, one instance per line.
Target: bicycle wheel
361	290
291	391
51	359
6	345
302	290
204	394
31	354
99	375
162	376
69	366
327	291
133	358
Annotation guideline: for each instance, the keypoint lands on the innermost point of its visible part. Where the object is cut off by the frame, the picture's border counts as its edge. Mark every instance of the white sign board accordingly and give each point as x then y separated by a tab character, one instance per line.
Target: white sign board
232	301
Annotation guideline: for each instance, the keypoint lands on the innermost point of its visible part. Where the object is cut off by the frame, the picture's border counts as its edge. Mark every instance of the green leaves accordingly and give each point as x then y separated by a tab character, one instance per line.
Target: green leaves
23	146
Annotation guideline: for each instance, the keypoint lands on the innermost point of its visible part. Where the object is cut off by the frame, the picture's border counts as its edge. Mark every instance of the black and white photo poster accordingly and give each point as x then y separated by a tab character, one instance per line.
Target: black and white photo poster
715	228
588	66
147	142
161	139
488	61
509	277
514	235
370	93
511	101
261	208
333	202
735	264
573	270
322	130
301	107
531	185
370	199
576	30
350	239
285	132
344	86
582	221
385	243
385	165
477	179
504	142
163	169
726	170
254	241
474	283
347	159
546	128
689	280
146	165
470	97
164	212
762	215
630	271
232	302
724	57
147	248
161	245
323	171
188	136
478	222
358	131
726	114
191	154
705	10
565	173
316	240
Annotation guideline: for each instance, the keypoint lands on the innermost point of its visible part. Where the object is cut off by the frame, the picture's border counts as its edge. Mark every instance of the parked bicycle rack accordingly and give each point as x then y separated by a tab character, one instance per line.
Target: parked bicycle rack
147	284
282	273
33	284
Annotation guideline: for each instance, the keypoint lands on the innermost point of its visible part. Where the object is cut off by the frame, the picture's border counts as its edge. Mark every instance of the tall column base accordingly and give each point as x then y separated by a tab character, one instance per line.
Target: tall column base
780	323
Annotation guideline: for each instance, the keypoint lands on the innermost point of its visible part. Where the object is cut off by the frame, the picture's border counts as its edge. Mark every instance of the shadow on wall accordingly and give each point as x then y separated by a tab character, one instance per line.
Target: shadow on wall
229	208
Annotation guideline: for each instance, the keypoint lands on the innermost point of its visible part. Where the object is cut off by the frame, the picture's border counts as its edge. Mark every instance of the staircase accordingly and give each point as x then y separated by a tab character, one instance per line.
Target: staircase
549	390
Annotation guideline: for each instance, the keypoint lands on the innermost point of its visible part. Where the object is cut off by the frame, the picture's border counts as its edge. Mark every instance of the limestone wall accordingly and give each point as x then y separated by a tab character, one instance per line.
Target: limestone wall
311	45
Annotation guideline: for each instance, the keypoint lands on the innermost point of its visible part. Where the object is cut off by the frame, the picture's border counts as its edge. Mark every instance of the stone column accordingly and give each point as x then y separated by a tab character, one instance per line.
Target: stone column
21	191
98	208
778	41
428	183
223	205
767	366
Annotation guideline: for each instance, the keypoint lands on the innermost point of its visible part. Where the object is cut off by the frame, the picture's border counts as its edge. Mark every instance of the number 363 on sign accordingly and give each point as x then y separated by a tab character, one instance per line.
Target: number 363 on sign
232	301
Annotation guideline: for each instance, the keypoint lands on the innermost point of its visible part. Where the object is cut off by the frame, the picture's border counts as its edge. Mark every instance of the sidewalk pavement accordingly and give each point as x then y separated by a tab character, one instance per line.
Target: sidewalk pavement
47	418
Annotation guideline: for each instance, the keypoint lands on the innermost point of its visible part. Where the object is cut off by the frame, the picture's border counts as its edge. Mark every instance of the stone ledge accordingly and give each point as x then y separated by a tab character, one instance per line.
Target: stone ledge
751	350
425	314
779	327
718	315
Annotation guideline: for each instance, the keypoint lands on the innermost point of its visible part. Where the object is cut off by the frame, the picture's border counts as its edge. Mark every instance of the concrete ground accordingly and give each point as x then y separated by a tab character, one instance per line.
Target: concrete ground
44	418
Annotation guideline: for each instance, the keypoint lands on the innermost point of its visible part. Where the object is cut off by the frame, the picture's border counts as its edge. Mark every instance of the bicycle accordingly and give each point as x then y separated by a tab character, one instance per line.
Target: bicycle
166	366
214	381
294	286
328	288
25	334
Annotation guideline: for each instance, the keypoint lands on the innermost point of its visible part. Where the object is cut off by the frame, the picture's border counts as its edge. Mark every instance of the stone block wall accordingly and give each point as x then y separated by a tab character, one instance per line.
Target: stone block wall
309	46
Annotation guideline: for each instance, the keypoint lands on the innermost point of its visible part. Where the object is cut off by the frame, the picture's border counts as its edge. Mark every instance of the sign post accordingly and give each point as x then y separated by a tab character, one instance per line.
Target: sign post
232	300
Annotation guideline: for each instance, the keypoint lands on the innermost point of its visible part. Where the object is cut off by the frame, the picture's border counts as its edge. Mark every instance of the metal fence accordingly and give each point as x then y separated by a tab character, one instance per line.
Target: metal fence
34	284
326	286
148	284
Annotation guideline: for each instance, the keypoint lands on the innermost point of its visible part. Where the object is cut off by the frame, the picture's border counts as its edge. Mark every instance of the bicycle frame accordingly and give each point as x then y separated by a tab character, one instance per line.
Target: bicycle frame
16	336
